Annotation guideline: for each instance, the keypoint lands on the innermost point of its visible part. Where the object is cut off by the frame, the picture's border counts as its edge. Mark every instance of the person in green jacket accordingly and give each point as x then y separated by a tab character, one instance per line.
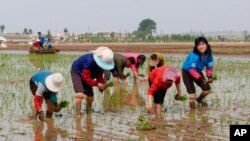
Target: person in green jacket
120	63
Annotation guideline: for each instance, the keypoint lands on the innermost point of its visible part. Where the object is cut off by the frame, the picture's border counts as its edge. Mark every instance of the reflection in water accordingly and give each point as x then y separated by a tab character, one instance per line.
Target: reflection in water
197	125
38	131
194	127
52	133
86	132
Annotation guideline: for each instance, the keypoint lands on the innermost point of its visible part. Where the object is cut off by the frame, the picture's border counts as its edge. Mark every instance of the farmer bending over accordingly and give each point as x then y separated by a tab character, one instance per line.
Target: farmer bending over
86	72
120	63
139	61
161	79
46	85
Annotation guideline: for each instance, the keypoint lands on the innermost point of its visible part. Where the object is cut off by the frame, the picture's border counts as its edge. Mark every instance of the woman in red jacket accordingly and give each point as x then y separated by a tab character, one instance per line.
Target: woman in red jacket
160	79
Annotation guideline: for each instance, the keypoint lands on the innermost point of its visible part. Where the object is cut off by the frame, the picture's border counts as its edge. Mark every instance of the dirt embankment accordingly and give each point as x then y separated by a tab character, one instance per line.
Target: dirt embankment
174	47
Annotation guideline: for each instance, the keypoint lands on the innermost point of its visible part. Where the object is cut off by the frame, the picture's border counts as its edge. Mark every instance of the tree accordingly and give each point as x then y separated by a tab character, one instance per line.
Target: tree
48	35
245	34
65	30
2	28
30	31
147	26
112	34
25	31
140	34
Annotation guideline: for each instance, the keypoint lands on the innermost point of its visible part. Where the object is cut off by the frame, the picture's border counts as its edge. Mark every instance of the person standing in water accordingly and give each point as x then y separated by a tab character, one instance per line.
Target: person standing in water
200	57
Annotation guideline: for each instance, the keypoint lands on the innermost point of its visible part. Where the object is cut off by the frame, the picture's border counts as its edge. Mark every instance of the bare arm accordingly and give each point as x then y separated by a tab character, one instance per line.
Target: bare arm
178	87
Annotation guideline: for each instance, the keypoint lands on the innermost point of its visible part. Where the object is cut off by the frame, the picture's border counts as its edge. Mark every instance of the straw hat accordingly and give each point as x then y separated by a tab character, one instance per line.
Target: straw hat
54	82
153	63
103	56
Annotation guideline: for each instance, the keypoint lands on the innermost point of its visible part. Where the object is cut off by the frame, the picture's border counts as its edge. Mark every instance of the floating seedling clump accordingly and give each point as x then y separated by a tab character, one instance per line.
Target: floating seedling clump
143	124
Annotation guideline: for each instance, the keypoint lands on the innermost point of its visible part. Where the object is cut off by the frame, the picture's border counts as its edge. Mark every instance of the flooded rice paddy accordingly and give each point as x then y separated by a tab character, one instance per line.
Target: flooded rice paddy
115	112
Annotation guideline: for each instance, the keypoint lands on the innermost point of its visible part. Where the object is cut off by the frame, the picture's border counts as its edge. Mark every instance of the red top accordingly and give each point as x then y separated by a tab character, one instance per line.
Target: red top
156	77
86	77
36	44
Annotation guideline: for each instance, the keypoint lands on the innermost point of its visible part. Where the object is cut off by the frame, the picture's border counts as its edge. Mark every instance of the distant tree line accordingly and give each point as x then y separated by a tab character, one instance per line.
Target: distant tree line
144	33
27	31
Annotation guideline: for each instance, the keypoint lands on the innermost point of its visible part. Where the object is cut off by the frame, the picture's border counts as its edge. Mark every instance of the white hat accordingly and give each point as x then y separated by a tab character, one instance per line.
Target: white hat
103	56
2	39
54	82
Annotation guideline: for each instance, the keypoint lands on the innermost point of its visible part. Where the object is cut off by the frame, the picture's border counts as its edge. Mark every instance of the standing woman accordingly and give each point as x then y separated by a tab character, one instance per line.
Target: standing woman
200	57
87	71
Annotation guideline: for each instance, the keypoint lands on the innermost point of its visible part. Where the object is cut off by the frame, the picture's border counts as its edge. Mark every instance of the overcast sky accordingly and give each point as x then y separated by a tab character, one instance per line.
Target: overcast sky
171	16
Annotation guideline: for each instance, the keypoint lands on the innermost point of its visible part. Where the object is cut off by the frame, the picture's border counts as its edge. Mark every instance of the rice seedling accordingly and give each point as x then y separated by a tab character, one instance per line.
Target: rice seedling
182	98
64	104
143	124
215	77
110	84
142	75
128	74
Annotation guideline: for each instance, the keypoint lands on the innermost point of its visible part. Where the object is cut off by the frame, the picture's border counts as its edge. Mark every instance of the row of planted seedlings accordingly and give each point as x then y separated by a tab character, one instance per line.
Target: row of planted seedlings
15	102
233	75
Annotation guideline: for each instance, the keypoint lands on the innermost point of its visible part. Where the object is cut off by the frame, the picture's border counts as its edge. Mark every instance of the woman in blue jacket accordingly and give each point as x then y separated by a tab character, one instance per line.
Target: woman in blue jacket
87	72
200	57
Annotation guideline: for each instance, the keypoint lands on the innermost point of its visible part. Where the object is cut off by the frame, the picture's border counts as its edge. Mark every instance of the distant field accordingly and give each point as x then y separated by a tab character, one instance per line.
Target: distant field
230	48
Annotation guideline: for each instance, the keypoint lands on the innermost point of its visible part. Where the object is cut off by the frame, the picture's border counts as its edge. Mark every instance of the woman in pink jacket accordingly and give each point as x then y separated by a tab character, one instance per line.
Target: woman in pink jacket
139	61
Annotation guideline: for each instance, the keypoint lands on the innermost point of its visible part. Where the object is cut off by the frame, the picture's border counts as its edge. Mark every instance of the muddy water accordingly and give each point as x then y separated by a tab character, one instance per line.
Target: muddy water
115	112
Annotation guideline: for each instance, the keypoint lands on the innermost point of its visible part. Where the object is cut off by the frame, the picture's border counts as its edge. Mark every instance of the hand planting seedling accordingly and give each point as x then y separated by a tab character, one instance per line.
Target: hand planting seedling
110	84
64	104
141	75
143	124
128	74
211	79
181	98
215	77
